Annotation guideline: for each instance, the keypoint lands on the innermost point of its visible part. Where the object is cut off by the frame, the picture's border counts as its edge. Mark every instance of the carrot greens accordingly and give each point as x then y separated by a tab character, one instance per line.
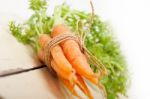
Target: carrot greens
99	39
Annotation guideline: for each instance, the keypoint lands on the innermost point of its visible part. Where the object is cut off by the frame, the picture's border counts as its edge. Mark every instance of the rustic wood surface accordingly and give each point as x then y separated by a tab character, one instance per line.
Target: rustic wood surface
38	84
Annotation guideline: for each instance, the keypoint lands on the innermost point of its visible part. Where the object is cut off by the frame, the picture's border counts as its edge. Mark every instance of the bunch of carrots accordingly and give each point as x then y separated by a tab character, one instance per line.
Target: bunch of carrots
67	60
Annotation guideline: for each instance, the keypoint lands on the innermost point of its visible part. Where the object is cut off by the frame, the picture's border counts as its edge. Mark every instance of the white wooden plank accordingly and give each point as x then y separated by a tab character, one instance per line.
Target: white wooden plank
37	84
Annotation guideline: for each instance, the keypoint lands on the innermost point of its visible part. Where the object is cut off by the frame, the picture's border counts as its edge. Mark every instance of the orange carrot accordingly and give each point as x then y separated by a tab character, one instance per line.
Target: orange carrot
62	64
55	67
70	77
41	55
74	55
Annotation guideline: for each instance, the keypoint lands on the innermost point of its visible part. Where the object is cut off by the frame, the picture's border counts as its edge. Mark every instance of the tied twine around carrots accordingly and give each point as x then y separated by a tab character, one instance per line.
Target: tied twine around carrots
60	38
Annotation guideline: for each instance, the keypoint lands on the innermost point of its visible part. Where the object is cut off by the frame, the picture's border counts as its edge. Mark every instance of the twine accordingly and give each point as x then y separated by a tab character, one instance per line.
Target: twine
69	36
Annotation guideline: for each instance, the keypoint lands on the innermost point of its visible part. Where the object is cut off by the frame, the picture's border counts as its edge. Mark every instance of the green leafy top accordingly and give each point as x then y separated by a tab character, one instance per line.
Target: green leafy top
38	5
99	39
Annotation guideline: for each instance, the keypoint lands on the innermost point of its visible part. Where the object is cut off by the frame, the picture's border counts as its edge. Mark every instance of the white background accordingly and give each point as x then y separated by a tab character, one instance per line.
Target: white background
131	22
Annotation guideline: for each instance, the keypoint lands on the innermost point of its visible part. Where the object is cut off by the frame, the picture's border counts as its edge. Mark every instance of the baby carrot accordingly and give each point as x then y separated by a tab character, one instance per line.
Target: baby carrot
62	66
57	53
41	55
64	75
74	55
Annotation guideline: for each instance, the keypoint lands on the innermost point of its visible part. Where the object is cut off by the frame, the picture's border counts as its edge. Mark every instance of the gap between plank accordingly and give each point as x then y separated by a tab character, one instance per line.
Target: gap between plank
18	71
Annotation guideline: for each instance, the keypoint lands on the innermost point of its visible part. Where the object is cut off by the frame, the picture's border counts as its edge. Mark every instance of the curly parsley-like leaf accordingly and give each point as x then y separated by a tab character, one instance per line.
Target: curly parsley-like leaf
17	31
37	5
